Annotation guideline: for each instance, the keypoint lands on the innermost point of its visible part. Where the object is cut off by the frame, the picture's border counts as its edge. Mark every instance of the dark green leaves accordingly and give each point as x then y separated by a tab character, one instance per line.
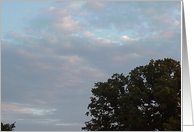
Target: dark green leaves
7	127
148	99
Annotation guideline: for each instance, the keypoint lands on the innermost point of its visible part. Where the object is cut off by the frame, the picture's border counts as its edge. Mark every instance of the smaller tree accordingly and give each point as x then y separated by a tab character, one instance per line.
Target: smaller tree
7	127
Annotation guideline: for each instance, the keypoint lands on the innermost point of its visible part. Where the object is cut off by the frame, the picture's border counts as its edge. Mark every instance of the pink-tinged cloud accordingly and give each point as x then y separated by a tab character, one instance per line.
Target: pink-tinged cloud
49	68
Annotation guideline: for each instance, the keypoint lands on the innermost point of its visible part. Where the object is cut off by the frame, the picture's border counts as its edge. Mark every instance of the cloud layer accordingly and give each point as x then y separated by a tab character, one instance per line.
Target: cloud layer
49	69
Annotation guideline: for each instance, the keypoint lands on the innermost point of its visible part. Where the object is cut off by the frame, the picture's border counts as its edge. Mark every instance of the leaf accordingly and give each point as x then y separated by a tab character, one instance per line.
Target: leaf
147	99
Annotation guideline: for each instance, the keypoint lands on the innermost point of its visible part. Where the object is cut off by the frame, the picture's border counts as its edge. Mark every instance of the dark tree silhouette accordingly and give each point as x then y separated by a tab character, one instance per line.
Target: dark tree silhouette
7	127
148	99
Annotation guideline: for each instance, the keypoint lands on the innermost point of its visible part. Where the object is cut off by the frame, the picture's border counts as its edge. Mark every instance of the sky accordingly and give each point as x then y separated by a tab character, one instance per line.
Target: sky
53	52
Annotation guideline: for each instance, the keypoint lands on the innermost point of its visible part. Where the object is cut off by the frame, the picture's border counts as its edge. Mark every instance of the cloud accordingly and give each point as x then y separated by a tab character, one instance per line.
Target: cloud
103	41
88	34
68	124
51	8
126	38
67	25
95	5
49	69
89	72
16	108
176	22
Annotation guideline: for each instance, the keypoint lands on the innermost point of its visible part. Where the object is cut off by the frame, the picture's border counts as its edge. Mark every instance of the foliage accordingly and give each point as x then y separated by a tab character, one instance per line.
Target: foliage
147	99
7	127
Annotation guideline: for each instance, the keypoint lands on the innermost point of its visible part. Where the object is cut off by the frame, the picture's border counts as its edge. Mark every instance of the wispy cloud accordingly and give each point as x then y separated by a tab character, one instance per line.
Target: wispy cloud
48	70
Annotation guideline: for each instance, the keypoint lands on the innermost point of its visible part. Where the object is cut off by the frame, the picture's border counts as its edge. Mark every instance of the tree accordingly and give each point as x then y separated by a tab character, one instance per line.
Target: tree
147	99
7	127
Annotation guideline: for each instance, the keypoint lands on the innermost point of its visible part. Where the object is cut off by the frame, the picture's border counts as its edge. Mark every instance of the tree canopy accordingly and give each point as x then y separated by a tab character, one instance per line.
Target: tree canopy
7	127
147	99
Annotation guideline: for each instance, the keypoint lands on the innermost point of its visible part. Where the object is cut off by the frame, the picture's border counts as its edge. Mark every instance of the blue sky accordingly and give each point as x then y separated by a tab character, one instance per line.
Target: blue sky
52	53
14	13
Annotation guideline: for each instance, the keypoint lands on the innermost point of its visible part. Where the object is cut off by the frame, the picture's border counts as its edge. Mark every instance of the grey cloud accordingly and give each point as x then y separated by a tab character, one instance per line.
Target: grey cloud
132	15
55	67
